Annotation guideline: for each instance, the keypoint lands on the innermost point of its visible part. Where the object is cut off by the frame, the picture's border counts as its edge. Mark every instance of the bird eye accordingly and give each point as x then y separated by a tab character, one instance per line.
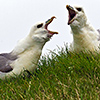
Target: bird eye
40	25
79	9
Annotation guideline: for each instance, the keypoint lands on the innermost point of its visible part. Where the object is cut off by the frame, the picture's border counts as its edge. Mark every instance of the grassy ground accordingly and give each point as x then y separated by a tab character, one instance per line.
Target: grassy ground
63	76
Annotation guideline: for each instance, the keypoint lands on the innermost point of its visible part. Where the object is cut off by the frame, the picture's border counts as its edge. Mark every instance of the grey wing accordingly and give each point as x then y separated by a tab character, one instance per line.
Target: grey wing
4	64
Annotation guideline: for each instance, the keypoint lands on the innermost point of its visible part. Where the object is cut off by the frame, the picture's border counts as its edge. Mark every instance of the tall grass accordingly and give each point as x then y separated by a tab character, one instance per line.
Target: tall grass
62	76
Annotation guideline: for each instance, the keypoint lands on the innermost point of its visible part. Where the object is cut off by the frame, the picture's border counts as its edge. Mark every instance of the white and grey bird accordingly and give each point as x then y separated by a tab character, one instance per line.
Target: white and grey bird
85	37
26	54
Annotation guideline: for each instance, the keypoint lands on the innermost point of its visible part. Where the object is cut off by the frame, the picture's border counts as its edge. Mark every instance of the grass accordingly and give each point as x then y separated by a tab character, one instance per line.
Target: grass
63	76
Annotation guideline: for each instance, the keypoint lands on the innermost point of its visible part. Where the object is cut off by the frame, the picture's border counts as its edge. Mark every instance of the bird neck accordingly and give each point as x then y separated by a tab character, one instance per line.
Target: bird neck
85	38
25	45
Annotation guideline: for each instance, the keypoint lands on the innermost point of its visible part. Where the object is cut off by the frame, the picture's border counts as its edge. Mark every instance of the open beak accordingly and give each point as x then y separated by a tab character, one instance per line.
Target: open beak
72	14
47	23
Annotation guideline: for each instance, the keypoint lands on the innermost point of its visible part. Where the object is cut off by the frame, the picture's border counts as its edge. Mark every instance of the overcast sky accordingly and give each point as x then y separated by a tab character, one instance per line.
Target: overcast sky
17	17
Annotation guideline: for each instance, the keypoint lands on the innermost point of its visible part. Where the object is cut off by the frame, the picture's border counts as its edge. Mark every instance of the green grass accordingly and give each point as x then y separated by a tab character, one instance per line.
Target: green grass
63	76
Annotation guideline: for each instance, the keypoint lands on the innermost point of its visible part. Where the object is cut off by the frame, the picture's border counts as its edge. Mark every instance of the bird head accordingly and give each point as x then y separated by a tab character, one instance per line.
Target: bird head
40	32
76	16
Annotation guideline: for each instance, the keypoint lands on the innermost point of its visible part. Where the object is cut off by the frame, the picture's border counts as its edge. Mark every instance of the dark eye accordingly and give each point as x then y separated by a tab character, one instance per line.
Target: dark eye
40	25
79	9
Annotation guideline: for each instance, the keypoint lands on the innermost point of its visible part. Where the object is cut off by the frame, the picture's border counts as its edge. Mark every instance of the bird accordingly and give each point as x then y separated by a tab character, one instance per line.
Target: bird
85	36
27	52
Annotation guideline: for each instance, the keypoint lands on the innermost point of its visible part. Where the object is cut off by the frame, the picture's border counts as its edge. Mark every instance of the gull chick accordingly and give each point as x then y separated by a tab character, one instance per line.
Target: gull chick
85	37
26	54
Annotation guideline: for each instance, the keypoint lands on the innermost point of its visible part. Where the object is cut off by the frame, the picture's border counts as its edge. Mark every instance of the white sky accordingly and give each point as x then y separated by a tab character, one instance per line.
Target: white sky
17	17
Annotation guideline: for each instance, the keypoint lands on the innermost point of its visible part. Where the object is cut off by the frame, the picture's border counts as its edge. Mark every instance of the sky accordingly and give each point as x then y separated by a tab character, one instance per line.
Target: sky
18	16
